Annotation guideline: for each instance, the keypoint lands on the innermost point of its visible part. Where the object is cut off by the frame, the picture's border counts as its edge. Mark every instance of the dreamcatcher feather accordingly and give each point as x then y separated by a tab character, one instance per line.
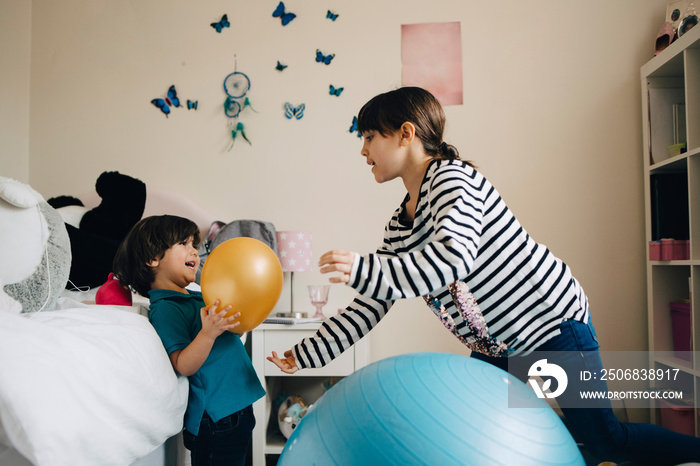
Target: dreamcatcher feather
236	86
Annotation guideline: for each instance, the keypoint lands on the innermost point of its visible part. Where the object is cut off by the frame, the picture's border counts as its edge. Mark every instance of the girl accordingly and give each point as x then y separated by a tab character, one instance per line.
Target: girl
454	242
158	259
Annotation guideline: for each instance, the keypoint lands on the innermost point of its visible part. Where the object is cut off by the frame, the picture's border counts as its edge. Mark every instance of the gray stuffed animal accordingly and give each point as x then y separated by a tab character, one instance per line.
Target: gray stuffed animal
34	247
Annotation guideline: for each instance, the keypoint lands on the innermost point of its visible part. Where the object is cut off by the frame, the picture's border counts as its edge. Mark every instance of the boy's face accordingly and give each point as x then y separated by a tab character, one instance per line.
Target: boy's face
177	268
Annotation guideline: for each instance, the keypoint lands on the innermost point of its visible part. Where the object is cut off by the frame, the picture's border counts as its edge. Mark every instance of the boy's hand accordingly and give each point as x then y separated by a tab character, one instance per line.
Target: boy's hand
288	364
337	261
215	323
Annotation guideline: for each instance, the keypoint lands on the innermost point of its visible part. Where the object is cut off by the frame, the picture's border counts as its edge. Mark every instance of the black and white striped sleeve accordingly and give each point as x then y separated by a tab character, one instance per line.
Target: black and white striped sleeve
441	248
338	333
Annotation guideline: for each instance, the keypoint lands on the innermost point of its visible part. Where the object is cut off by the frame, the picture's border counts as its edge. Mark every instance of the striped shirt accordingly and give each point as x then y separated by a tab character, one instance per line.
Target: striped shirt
462	231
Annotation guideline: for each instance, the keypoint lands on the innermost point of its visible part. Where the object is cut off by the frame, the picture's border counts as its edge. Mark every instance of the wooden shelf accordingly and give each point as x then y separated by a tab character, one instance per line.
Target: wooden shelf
670	78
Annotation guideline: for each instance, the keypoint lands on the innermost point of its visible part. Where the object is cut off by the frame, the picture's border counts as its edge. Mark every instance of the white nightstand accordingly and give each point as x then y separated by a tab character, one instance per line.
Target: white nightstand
267	338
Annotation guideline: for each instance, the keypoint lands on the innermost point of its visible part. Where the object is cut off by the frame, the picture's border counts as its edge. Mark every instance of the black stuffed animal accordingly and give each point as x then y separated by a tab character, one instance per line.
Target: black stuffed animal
102	229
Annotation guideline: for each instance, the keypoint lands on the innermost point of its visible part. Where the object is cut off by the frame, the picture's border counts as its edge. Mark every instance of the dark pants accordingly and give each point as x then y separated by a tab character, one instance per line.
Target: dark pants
221	443
598	428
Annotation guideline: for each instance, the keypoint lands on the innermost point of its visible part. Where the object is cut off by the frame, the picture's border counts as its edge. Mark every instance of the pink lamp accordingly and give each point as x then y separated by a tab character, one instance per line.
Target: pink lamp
294	250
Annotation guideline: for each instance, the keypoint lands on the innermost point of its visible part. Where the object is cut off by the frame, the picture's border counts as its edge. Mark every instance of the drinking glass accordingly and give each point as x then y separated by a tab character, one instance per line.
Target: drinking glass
319	297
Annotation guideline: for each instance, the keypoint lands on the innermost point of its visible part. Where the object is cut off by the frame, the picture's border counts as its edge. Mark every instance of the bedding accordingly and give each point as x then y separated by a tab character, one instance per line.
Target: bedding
86	385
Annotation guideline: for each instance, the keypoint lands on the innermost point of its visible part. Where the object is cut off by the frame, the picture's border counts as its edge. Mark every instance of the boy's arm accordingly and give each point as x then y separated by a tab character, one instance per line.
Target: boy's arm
187	361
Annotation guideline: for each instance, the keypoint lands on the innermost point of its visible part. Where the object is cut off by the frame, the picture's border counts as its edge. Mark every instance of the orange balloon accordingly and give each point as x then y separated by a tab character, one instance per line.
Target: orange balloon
247	274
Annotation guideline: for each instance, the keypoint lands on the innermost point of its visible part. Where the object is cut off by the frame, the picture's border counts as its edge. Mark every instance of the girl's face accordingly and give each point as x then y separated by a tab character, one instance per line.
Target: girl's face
178	266
383	155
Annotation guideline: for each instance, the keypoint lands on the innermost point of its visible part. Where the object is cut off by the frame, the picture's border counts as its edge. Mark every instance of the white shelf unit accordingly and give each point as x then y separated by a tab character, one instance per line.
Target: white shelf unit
266	338
672	201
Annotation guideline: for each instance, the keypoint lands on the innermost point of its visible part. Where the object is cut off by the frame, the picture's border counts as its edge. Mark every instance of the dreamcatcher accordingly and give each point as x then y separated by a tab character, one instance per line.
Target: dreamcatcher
236	86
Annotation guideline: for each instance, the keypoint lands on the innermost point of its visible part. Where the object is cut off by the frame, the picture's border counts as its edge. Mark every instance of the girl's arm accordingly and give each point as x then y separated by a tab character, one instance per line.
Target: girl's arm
456	204
188	360
337	334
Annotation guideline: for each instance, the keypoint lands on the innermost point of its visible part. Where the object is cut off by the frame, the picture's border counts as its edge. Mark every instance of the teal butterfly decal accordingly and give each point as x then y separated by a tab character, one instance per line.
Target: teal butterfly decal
280	66
192	104
171	100
332	16
290	111
284	16
353	127
223	23
335	90
321	58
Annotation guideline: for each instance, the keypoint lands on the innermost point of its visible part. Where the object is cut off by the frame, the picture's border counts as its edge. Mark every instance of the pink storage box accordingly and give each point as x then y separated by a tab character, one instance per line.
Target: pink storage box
680	321
681	249
677	418
667	249
654	250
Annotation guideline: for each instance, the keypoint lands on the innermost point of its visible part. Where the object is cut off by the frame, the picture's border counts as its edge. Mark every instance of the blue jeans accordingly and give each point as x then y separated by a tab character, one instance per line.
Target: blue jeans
221	443
597	428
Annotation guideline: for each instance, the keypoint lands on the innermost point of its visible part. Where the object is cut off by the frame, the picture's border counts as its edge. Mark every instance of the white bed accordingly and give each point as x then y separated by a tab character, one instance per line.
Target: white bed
86	384
90	384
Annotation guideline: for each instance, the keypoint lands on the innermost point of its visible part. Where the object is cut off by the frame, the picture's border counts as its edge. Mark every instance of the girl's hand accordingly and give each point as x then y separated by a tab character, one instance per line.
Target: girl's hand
337	261
287	365
215	323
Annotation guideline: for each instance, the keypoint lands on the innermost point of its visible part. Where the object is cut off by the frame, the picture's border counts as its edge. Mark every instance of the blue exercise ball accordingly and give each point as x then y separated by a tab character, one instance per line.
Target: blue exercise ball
432	409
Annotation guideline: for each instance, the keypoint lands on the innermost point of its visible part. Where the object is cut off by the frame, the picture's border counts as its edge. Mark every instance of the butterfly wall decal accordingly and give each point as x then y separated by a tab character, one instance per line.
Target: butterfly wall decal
332	16
290	111
171	100
223	23
192	104
335	90
280	66
321	58
284	16
353	127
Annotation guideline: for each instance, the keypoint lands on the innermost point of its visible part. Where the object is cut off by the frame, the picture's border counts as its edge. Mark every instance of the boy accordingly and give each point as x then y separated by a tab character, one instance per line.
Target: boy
158	259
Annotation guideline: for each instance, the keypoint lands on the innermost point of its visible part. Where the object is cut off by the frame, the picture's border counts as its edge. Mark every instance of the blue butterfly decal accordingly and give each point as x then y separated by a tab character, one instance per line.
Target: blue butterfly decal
291	111
170	101
221	24
192	104
281	14
280	66
353	127
332	16
321	58
336	91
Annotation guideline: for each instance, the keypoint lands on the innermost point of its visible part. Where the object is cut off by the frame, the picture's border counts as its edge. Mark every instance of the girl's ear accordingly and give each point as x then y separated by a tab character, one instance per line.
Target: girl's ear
408	132
154	263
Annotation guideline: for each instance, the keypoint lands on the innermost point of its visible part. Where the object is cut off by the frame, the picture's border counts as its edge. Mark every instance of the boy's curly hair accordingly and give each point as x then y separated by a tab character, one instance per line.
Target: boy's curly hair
147	241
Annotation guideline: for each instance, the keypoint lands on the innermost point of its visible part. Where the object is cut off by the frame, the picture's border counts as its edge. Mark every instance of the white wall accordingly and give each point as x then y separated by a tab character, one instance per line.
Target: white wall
15	32
551	115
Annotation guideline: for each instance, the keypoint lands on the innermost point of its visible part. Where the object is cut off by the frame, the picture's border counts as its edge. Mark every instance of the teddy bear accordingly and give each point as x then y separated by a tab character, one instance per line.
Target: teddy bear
35	250
290	413
95	234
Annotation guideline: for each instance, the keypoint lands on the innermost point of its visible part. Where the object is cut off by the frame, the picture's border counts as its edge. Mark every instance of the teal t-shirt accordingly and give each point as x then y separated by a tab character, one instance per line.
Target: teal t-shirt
226	382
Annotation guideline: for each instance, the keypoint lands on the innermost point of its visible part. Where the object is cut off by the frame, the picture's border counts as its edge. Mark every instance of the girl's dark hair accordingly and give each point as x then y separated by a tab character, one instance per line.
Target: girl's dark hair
147	241
386	113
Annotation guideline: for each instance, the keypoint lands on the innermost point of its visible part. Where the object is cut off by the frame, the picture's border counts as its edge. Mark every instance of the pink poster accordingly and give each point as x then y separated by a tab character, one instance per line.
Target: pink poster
431	54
